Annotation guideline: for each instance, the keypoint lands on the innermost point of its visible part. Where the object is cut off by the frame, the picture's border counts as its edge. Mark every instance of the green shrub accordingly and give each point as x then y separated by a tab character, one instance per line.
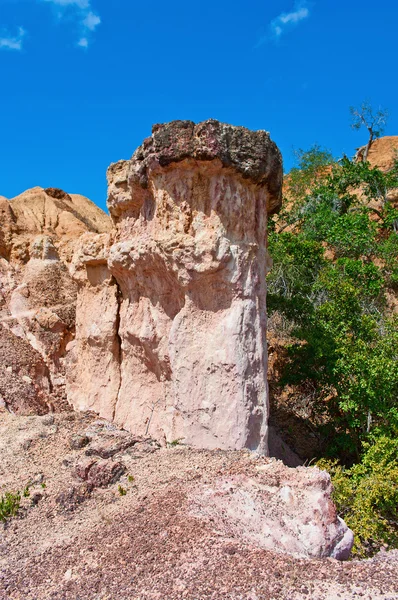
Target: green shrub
331	279
175	443
9	505
366	495
331	282
310	170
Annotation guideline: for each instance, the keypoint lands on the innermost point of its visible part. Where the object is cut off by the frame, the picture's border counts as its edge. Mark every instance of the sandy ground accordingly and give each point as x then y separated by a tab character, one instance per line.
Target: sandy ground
136	538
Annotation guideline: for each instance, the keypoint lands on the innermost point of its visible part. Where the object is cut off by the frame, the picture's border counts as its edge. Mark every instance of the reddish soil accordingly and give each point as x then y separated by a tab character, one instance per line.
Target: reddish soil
73	541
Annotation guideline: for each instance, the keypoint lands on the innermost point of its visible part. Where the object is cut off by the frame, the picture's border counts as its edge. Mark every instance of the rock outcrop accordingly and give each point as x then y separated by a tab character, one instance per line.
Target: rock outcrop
382	153
277	508
52	212
171	314
38	233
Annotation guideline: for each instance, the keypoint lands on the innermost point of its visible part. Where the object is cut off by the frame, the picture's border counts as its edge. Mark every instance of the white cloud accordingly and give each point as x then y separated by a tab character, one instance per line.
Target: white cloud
295	16
91	21
285	21
79	11
9	42
82	12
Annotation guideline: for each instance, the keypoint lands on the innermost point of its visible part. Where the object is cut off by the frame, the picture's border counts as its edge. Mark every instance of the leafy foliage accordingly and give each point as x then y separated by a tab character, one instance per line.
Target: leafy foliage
366	495
333	273
311	168
330	278
9	505
122	491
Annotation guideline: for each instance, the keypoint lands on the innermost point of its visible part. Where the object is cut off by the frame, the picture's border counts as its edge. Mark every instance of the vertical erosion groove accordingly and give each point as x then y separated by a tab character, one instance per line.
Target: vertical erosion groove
118	341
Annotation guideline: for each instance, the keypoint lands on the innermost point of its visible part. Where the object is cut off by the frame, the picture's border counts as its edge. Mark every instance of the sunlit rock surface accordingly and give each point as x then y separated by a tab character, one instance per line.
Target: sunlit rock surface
38	234
171	316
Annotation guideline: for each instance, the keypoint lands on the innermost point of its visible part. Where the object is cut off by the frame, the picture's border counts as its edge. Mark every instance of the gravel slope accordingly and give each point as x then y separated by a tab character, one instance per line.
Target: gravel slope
75	539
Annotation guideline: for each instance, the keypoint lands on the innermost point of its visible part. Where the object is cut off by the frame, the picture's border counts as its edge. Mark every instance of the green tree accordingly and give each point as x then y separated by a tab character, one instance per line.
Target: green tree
333	273
310	167
331	278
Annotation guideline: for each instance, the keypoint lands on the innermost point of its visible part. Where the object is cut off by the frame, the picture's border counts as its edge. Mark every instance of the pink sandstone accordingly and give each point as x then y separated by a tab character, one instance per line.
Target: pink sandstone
171	312
38	234
280	509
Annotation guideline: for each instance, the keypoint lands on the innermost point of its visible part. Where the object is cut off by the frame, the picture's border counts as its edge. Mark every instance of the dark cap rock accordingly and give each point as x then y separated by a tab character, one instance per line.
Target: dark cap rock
252	154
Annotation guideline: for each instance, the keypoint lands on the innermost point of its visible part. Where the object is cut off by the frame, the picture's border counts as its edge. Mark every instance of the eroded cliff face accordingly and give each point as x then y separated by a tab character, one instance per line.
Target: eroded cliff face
94	357
38	233
171	315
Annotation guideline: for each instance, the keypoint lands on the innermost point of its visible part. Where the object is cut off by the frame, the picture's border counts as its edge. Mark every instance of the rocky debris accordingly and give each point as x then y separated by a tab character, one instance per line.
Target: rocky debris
49	420
147	543
111	444
24	376
35	498
79	441
19	396
171	314
101	473
70	499
277	508
43	305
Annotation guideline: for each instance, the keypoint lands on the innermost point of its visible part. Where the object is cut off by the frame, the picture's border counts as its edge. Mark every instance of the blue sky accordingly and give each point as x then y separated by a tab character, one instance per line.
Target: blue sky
84	80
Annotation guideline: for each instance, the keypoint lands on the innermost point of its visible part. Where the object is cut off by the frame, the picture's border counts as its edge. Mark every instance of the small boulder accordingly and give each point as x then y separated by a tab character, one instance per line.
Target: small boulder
277	508
104	473
99	473
79	441
71	498
111	444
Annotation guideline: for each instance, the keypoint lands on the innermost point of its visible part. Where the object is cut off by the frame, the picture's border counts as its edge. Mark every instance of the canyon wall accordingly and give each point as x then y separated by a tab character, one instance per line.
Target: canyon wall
171	310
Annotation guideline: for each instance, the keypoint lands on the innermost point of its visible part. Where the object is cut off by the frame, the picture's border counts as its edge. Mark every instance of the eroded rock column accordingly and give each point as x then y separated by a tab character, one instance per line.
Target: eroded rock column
189	257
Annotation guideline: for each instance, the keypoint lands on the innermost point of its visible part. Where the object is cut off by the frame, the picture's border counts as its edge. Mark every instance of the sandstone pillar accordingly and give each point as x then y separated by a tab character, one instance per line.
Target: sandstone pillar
189	258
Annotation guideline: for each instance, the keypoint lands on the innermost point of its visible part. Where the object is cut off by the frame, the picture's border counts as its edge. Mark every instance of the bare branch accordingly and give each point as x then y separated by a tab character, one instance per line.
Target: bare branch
373	121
